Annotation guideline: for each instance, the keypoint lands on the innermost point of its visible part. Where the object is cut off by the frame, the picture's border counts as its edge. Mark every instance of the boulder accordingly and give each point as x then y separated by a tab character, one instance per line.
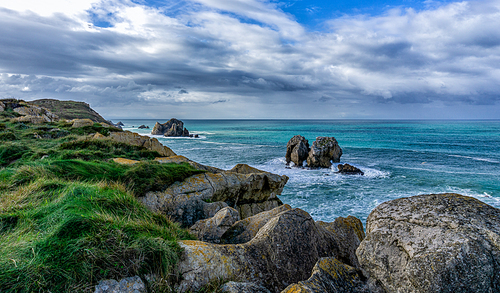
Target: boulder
242	287
172	127
349	170
143	127
324	151
297	150
187	202
283	252
123	161
329	275
119	124
136	139
246	229
82	122
2	107
31	119
349	233
433	243
182	159
127	285
30	110
211	229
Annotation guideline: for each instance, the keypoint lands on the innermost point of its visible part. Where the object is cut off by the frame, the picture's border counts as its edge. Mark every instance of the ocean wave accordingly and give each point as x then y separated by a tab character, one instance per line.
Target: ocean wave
476	159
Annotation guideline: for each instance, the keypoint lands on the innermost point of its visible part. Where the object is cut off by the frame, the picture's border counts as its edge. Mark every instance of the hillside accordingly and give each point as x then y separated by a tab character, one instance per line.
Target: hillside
70	109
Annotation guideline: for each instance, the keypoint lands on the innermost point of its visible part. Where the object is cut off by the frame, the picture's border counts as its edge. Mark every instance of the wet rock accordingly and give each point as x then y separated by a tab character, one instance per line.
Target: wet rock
172	127
297	150
329	275
187	201
283	252
349	170
324	151
132	138
211	229
433	243
127	285
246	229
143	127
82	123
243	287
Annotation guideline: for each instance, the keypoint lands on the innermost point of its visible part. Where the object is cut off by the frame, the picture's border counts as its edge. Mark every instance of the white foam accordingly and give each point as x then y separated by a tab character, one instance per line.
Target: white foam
477	159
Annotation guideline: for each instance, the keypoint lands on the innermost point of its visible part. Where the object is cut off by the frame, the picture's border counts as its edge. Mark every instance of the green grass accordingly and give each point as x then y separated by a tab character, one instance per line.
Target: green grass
69	217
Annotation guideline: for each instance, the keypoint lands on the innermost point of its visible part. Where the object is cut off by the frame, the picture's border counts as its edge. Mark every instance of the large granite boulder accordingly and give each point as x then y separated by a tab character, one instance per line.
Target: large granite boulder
211	229
297	150
329	275
200	196
246	229
324	151
136	139
172	127
433	243
283	252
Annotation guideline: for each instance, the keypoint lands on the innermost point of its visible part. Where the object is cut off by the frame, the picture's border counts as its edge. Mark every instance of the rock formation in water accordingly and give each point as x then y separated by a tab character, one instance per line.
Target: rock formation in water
349	170
172	127
297	150
324	151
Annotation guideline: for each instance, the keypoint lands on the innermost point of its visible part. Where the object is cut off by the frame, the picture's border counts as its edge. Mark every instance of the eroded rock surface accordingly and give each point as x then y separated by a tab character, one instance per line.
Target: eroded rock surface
182	159
193	199
132	138
211	229
324	151
297	150
243	287
433	243
172	127
127	285
349	170
283	252
82	122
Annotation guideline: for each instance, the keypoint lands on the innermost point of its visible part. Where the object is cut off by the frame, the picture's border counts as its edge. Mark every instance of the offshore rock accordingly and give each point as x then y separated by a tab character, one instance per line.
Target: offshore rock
329	275
127	285
324	151
433	243
132	138
172	127
349	170
246	229
192	200
211	230
243	287
283	252
297	150
143	127
182	159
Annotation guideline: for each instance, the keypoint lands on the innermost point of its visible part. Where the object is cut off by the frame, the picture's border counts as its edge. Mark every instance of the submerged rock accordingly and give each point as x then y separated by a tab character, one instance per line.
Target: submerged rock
324	151
297	150
433	243
172	127
349	170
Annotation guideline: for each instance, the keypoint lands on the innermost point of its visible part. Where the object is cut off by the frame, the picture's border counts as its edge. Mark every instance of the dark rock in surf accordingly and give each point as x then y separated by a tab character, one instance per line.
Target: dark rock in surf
324	151
172	127
143	127
349	170
297	150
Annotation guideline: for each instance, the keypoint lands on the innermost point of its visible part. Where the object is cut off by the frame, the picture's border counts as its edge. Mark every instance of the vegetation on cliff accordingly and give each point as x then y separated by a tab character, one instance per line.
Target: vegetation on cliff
69	216
70	109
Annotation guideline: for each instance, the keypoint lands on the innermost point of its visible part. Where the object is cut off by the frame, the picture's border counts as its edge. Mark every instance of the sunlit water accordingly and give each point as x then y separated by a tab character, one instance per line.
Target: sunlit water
399	158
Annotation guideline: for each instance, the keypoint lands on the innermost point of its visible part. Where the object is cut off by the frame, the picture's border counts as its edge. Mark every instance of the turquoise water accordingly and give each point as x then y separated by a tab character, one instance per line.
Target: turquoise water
399	158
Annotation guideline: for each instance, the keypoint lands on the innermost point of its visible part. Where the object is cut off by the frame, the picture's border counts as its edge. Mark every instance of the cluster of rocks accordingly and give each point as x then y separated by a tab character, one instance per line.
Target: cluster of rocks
323	152
143	127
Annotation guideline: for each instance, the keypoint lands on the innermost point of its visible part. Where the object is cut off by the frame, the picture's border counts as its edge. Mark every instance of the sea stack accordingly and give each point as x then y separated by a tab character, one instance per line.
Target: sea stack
172	127
324	151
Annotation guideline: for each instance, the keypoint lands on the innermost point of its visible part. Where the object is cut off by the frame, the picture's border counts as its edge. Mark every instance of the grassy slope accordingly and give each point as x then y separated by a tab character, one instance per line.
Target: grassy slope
70	109
71	219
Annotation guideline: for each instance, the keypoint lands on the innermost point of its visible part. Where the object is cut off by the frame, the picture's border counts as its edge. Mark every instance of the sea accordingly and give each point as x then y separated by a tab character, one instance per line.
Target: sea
398	158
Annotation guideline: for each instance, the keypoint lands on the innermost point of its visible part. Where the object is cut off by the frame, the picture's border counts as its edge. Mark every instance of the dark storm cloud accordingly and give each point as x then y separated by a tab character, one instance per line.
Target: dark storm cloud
209	52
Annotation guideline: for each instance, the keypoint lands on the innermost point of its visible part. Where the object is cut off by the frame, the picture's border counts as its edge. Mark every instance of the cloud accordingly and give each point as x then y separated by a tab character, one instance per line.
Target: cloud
115	53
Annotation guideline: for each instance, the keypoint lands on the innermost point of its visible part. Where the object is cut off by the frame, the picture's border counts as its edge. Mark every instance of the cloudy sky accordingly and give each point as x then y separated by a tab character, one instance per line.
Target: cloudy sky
395	59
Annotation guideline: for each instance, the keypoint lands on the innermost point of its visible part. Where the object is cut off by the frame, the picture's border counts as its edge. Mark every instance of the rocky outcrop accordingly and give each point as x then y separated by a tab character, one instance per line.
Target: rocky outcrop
433	243
283	252
30	113
132	138
70	109
329	275
2	106
349	170
123	161
199	196
182	159
127	285
246	229
242	287
143	127
172	127
324	151
211	230
76	123
297	150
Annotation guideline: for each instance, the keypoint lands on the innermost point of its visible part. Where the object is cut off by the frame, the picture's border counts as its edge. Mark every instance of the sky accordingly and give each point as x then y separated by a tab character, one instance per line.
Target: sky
256	59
